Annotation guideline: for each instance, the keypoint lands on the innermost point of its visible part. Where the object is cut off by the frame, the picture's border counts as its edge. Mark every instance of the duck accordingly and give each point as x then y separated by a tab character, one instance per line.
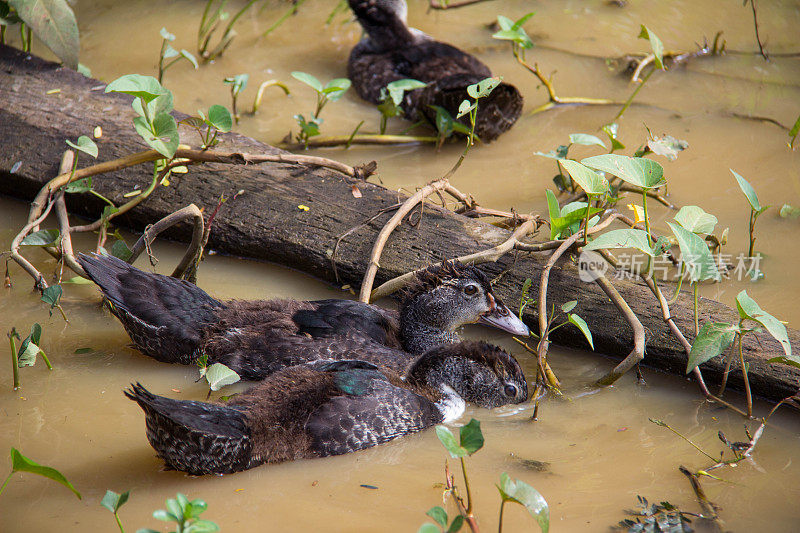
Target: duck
392	51
327	407
174	321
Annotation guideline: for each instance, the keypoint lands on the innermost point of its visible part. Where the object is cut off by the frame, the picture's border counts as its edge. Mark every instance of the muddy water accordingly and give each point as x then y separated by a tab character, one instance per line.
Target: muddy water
600	449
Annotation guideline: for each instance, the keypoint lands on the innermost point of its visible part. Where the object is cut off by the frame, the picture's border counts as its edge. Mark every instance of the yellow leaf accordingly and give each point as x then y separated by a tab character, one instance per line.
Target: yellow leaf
302	207
638	211
53	91
131	194
98	132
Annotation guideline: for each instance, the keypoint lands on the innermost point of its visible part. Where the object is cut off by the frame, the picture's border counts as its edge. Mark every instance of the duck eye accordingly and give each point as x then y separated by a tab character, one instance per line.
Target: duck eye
510	390
470	290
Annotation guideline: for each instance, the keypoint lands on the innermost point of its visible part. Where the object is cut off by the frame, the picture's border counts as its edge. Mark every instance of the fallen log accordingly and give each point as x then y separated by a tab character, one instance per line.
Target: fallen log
265	222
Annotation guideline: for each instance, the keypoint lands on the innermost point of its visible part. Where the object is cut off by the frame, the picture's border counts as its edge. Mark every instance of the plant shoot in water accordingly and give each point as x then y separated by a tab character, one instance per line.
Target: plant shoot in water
168	52
186	514
331	92
209	124
392	96
238	84
755	208
113	501
656	57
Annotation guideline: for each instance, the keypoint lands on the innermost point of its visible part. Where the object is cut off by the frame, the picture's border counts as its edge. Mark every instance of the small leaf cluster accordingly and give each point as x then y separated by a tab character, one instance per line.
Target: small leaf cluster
186	514
210	123
330	92
392	96
168	52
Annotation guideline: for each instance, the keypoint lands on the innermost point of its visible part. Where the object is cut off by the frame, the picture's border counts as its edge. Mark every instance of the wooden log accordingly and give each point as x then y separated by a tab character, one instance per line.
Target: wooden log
265	223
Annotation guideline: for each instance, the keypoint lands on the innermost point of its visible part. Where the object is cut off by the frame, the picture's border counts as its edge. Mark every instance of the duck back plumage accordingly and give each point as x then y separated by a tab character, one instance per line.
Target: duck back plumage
392	52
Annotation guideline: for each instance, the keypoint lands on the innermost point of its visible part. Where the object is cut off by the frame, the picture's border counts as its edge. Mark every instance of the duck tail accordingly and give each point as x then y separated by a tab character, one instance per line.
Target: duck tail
195	437
164	316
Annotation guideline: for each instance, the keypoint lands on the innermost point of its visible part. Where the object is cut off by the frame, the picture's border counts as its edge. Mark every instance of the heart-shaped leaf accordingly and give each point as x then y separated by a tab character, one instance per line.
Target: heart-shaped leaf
520	492
696	220
655	44
622	238
113	501
695	255
85	145
145	87
219	375
589	180
220	118
79	186
585	139
645	173
309	80
483	88
749	309
43	237
397	89
54	23
712	340
748	190
336	88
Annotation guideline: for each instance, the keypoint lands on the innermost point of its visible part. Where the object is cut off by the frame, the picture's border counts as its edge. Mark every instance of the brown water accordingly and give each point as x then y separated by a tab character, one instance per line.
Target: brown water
601	449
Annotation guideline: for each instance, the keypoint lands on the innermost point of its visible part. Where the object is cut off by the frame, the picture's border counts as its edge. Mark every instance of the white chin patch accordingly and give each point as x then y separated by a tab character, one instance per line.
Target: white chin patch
452	405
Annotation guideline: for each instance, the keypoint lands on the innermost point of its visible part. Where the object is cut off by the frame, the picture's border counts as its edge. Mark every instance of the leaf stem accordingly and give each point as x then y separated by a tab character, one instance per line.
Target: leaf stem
746	380
633	95
752	233
466	486
14	363
6	481
696	317
500	520
44	355
119	522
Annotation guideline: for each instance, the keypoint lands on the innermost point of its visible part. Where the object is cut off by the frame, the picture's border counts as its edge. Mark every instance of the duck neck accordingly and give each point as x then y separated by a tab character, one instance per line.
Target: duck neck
420	330
384	22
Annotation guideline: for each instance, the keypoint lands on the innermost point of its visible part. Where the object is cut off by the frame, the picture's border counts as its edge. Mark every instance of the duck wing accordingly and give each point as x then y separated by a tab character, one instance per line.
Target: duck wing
371	411
331	318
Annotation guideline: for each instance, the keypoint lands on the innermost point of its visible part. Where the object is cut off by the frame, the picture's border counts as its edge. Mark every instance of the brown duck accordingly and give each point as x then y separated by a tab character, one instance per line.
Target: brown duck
392	51
177	322
327	408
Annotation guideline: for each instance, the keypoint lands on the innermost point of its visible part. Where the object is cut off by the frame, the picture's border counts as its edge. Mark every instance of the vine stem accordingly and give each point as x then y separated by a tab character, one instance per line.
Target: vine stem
466	486
6	482
748	395
500	519
14	367
632	96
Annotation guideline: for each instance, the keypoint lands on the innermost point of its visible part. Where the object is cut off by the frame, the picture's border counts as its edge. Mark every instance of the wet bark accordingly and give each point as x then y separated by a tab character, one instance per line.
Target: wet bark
265	223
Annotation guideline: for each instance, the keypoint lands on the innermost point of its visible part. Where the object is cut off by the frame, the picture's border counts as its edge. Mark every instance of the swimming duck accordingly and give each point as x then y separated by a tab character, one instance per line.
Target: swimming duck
327	408
392	51
176	322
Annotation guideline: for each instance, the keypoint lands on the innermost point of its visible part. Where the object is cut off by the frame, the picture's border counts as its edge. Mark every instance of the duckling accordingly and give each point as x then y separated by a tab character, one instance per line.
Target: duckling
327	408
392	51
175	321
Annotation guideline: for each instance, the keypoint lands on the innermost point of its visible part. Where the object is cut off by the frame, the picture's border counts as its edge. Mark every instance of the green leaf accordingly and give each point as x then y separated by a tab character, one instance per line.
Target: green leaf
747	189
569	306
522	20
85	145
239	82
427	527
220	118
336	88
712	340
585	139
164	516
145	87
794	131
749	309
52	294
168	37
581	324
513	31
655	44
505	23
571	216
80	351
465	107
439	515
520	492
696	220
471	436
161	104
202	526
79	186
645	173
449	442
612	130
483	88
589	180
219	375
791	360
190	58
29	349
120	250
20	463
397	89
54	23
695	255
456	524
622	238
113	501
553	208
789	211
309	80
44	237
163	138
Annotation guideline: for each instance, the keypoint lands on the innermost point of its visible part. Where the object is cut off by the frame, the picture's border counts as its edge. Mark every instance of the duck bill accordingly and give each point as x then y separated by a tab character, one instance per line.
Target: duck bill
502	318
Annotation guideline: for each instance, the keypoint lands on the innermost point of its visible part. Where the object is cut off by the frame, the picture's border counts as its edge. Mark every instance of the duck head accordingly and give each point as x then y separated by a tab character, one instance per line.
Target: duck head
444	298
384	21
477	372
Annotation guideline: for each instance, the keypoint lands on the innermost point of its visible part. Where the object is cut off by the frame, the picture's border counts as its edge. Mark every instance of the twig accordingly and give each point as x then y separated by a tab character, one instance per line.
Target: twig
383	236
708	507
363	138
637	353
649	58
451	488
444	4
485	256
758	38
149	235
